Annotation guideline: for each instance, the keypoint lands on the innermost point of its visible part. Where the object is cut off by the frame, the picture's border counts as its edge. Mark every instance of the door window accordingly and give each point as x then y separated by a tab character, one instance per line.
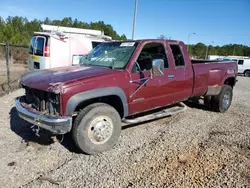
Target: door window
150	52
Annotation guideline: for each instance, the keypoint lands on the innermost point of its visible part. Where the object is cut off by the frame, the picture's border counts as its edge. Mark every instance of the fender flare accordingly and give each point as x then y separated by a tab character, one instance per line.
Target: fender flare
78	98
229	77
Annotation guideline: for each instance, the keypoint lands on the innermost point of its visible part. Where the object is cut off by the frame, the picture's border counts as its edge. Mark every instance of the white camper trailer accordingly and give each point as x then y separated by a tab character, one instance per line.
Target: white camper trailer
57	46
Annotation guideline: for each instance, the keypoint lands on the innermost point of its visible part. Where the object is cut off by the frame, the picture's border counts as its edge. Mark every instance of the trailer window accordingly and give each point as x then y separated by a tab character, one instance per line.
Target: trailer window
240	62
178	56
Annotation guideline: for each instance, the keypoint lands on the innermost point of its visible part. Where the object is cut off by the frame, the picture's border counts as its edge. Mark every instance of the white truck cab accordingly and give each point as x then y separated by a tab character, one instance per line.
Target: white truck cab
58	46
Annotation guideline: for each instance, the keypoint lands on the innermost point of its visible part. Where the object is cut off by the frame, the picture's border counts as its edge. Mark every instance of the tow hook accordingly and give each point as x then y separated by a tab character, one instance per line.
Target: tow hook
37	120
36	129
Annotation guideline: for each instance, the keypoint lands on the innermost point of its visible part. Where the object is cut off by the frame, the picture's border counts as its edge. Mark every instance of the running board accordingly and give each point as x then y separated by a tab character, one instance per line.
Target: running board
166	112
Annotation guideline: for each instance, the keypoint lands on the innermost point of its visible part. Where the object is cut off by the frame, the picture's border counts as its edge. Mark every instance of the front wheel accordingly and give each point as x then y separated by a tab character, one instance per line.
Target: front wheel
222	102
96	128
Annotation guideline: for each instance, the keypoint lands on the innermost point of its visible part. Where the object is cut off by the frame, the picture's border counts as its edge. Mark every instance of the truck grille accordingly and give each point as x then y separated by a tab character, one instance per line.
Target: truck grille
43	101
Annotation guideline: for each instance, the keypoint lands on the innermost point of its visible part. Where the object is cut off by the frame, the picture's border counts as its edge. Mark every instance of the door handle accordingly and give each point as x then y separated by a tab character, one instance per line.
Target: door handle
171	76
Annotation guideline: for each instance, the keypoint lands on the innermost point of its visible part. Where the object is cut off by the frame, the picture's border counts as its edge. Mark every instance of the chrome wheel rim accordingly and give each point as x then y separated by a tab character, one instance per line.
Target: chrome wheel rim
226	100
100	129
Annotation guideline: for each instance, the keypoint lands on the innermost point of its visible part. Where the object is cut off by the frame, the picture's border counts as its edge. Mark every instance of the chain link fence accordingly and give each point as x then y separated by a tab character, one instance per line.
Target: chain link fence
13	64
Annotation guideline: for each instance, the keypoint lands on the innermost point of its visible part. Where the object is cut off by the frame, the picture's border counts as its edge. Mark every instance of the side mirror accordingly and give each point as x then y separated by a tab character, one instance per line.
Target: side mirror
158	67
77	59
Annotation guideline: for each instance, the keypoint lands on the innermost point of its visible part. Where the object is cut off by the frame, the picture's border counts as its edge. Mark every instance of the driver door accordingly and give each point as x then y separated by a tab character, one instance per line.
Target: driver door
148	92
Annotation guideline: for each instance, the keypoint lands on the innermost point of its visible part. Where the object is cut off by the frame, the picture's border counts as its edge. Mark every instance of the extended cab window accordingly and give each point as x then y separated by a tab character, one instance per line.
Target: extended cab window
178	56
150	52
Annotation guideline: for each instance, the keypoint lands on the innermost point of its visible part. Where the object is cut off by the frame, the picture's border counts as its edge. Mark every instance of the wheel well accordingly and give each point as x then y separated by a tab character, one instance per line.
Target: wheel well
112	100
230	81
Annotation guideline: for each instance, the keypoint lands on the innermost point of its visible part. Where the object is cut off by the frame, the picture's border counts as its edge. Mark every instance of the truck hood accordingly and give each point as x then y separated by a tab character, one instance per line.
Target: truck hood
52	79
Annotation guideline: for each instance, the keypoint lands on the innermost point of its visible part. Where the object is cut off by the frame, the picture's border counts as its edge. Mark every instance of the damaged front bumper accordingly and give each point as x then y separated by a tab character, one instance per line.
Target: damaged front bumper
56	125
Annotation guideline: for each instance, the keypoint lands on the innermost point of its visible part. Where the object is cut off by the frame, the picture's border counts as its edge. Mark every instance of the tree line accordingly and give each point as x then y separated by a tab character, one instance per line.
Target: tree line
199	50
19	30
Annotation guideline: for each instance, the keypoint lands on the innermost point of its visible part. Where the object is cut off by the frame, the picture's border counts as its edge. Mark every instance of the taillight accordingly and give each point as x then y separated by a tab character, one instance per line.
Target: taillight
46	51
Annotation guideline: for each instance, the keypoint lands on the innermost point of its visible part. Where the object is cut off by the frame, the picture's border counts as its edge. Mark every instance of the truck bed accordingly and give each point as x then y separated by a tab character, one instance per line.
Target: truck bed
208	73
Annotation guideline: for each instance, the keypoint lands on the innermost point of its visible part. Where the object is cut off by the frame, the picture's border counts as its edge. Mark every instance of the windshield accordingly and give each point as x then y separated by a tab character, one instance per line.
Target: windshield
110	54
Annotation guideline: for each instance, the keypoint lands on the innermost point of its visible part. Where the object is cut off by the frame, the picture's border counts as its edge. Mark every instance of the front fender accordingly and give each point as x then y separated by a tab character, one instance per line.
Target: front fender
78	98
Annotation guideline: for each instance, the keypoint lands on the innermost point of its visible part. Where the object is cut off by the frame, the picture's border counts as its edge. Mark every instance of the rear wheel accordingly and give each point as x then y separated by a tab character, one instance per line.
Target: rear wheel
222	102
96	128
247	73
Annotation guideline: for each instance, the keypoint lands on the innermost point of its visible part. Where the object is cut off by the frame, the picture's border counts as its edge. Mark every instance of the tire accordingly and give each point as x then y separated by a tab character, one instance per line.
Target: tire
222	102
247	73
207	101
93	121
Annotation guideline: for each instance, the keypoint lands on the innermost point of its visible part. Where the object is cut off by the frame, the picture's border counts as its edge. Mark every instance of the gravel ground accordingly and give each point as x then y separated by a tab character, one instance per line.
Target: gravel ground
198	148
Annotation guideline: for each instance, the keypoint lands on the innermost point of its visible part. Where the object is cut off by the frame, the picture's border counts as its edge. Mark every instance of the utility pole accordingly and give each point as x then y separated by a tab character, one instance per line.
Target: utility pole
188	38
134	24
207	49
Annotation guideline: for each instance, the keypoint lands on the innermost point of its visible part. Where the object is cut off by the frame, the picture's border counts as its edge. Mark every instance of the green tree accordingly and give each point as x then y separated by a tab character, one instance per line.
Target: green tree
199	50
19	30
47	21
2	26
123	37
67	22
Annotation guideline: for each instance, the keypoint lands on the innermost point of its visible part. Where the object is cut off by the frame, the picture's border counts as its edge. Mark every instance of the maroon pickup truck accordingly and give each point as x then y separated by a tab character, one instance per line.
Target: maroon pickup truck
122	81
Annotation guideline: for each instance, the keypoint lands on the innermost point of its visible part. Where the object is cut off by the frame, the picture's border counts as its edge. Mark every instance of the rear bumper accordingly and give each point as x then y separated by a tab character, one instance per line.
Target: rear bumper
56	125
